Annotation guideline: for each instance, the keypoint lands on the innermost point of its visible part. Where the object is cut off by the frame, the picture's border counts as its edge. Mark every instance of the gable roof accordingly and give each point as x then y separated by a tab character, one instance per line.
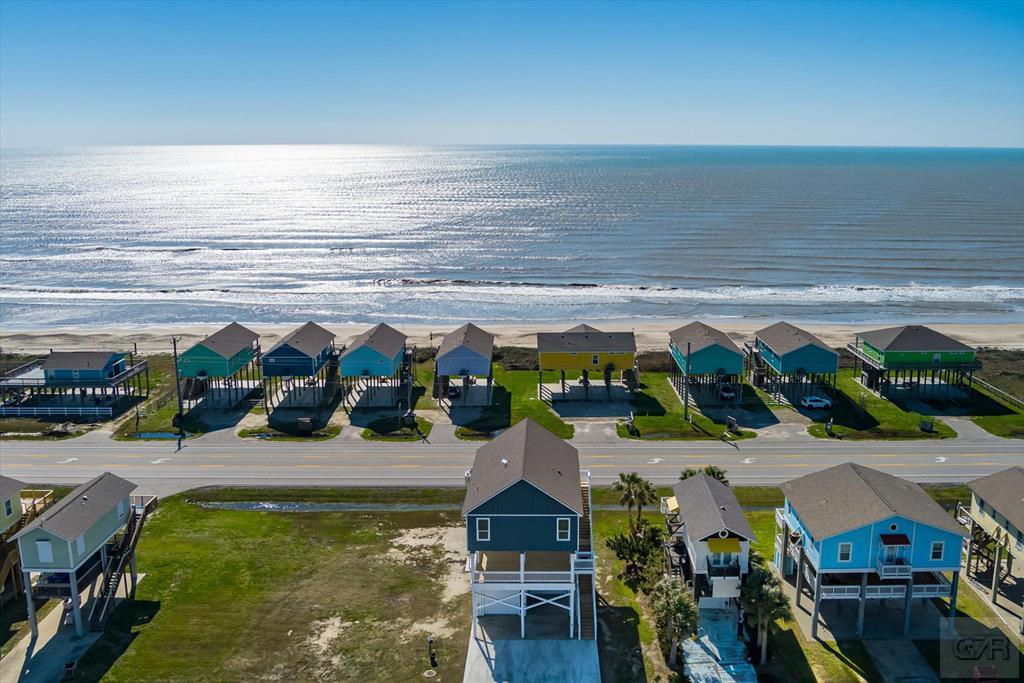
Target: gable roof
382	338
586	339
707	506
525	452
77	360
700	336
849	496
783	338
912	338
229	340
82	508
310	339
1005	492
470	336
10	488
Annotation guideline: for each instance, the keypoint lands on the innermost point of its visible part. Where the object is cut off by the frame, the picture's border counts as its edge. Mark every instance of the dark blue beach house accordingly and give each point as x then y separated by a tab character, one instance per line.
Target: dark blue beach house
527	513
300	353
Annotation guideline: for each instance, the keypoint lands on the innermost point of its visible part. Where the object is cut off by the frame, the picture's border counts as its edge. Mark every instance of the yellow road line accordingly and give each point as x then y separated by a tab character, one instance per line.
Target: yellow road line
309	466
314	457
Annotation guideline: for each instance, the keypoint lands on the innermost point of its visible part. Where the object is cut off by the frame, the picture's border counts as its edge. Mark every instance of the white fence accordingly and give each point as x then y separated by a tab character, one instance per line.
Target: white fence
18	411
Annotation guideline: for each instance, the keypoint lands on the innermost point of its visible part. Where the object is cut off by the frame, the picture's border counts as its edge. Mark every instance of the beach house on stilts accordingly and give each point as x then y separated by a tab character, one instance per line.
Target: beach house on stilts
19	505
301	369
850	533
588	351
531	556
83	547
784	359
377	368
708	364
464	354
913	357
221	369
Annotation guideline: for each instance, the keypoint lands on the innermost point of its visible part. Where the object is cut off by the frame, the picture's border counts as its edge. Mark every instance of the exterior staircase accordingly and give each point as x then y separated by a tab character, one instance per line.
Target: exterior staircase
118	560
588	629
585	570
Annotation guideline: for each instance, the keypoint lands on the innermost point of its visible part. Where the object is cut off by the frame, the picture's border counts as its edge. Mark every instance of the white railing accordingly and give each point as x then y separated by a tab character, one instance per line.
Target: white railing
523	577
780	517
664	507
809	578
931	590
16	411
893	571
885	591
840	592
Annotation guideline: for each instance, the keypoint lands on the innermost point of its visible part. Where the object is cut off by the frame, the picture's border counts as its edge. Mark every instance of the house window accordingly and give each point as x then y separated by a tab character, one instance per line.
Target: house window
721	559
44	549
563	527
120	508
483	528
80	544
937	548
8	508
595	359
845	552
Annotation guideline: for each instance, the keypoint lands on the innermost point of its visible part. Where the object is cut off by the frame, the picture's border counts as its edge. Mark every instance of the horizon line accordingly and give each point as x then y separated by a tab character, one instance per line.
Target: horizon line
516	144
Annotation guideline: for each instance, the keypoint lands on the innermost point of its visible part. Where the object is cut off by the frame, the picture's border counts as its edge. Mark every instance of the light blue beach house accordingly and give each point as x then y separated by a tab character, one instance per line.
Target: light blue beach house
784	357
854	533
705	358
464	354
378	352
89	534
527	511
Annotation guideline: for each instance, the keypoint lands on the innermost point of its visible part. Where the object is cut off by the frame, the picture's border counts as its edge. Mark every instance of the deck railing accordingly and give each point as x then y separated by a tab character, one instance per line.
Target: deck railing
40	411
13	378
522	577
840	592
893	570
885	591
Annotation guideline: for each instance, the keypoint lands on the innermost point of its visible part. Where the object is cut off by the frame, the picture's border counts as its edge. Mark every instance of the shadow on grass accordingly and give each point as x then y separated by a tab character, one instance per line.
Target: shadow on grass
844	413
751	413
619	650
974	403
645	404
121	631
285	419
13	615
485	419
786	659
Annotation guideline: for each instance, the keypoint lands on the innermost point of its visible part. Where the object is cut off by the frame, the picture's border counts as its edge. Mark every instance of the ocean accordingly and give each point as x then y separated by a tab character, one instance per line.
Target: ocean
338	234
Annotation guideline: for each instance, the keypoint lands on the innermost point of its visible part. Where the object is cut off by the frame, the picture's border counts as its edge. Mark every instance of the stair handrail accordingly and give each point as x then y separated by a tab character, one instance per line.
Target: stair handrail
125	550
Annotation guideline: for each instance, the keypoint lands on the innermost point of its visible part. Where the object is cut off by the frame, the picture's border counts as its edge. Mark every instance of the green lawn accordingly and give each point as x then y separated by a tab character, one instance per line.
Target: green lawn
388	429
880	419
328	432
658	414
156	414
515	398
233	596
425	377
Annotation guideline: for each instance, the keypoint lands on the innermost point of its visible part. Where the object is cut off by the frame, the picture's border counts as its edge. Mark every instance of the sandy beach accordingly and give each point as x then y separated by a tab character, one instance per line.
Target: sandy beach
650	334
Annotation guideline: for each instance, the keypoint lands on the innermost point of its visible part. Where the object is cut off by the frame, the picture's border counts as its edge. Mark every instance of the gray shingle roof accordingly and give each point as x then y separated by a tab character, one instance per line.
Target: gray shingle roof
77	360
701	336
1005	492
10	488
82	508
850	496
530	453
707	506
309	339
912	338
229	340
783	338
470	336
586	339
382	338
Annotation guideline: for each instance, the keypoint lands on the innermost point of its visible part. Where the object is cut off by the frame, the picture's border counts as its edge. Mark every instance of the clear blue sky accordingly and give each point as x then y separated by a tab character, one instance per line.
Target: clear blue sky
883	73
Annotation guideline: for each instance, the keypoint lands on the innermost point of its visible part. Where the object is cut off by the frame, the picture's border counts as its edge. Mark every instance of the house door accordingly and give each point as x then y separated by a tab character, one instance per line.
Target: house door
890	554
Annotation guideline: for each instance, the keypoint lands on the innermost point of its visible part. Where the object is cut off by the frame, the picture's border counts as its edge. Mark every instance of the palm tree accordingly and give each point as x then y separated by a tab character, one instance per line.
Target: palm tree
627	486
675	611
645	495
762	596
713	471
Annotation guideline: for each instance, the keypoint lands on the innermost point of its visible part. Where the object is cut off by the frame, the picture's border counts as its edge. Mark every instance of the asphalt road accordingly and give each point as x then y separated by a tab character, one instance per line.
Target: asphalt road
159	468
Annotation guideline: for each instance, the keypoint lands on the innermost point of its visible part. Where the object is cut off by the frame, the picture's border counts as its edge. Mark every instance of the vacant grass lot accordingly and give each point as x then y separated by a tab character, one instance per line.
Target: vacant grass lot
233	596
880	418
658	414
515	398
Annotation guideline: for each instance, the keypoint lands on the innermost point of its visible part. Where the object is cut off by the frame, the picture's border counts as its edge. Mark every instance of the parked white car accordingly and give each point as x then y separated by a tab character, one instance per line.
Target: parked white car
816	402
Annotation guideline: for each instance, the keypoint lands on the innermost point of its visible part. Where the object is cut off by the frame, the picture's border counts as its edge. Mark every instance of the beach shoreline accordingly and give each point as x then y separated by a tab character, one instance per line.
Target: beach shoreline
651	335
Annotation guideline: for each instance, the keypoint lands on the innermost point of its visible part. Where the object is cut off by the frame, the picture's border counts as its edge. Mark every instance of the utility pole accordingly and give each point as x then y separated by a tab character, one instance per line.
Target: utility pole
177	385
686	386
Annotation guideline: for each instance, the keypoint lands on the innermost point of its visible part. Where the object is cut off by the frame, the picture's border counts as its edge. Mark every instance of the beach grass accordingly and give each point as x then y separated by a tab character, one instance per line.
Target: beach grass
236	595
879	419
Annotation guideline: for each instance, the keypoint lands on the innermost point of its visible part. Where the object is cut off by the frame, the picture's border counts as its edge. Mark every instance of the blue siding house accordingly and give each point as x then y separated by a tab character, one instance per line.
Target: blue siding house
83	368
705	358
527	511
854	533
378	352
301	353
784	355
464	354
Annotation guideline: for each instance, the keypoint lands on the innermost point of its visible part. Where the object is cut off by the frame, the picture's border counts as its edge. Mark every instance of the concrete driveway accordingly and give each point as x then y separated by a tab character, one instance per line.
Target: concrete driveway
531	661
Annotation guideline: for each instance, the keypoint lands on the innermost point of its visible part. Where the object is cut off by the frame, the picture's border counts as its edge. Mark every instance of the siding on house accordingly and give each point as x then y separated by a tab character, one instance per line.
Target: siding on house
66	555
365	361
599	360
463	361
809	359
917	358
709	360
866	546
82	367
199	361
522	519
